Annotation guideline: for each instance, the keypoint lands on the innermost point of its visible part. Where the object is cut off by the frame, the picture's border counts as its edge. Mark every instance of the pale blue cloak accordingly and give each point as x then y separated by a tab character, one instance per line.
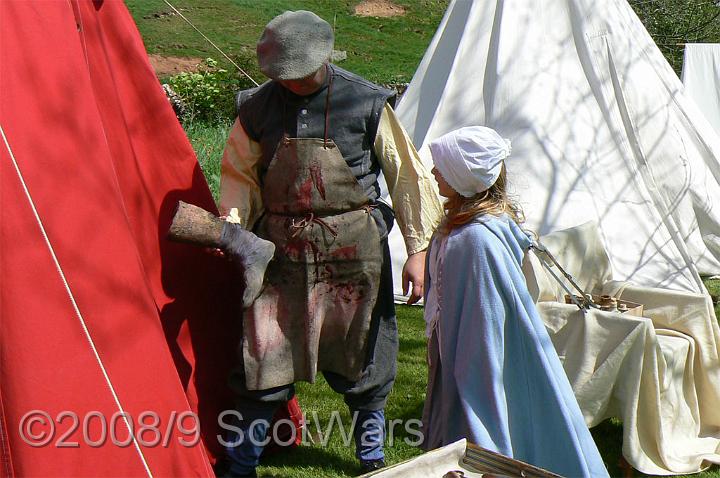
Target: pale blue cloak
495	378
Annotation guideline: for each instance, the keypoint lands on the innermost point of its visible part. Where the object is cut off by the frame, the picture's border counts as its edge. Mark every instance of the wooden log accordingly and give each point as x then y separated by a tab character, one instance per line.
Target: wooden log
195	225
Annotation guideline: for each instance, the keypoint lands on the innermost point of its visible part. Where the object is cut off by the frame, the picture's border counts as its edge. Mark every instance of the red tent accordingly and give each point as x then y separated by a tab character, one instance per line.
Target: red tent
102	321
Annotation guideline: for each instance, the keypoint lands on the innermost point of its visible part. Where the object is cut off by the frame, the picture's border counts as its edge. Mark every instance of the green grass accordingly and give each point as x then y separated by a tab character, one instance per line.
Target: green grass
385	50
208	141
713	288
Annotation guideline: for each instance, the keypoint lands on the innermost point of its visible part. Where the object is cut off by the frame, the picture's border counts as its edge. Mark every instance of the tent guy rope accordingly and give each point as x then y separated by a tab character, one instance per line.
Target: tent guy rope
78	314
213	44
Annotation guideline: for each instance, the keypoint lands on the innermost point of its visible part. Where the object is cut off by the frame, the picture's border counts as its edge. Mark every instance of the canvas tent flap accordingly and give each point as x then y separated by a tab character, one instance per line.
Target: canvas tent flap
600	128
99	312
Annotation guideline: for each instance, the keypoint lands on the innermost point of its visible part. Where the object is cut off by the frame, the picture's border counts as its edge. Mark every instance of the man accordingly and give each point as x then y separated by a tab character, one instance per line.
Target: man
300	169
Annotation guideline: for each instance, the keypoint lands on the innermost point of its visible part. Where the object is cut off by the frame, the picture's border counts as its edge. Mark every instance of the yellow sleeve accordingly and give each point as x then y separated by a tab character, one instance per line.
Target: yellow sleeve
240	197
413	190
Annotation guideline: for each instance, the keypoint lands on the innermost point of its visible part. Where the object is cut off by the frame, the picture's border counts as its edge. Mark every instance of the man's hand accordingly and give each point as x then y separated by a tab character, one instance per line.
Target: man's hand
414	271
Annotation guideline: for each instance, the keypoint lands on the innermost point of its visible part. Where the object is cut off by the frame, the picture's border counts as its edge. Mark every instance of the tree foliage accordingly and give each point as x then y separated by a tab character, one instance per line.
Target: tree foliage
672	23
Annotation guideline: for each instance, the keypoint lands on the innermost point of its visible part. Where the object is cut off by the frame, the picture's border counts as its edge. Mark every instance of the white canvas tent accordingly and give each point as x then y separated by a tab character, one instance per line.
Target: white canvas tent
600	126
602	132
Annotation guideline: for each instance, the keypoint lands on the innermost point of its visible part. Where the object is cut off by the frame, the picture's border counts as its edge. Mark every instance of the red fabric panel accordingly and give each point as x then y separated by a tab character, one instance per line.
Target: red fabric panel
155	167
105	162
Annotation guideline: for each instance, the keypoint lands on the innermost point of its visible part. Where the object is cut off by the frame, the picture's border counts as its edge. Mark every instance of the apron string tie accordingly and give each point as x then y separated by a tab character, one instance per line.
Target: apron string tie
308	220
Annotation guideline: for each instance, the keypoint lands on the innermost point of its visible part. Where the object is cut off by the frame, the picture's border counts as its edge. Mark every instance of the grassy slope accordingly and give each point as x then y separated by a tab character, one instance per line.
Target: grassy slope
386	50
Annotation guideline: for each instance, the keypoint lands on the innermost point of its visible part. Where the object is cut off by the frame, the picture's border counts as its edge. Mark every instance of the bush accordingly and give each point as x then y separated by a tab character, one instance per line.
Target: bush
207	95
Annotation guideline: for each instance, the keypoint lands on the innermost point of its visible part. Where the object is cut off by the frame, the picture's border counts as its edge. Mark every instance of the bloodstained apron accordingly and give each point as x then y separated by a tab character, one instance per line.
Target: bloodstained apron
321	287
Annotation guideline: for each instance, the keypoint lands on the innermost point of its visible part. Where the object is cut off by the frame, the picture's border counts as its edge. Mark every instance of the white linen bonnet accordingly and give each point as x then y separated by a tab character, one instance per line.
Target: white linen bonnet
470	159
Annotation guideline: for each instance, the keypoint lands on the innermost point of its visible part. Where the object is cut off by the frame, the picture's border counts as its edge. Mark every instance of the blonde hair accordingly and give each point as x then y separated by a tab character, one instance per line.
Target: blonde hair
495	201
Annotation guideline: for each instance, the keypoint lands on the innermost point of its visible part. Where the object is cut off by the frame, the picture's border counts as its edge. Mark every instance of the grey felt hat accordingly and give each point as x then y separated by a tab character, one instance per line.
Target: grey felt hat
294	45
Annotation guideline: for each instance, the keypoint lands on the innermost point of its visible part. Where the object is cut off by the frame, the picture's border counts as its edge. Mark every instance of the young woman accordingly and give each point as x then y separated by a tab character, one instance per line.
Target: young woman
494	376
